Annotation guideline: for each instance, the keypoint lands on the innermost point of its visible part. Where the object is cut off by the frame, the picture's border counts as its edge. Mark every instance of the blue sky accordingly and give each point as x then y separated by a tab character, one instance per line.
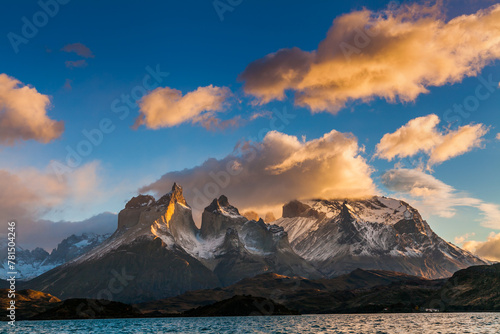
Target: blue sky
188	40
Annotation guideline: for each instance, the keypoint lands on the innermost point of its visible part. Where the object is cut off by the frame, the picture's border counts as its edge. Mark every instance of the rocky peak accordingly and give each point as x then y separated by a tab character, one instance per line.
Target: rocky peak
221	205
298	209
140	201
345	214
174	196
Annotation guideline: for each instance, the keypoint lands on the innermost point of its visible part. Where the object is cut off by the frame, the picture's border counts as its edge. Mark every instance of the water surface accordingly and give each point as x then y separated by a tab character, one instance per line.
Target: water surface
424	323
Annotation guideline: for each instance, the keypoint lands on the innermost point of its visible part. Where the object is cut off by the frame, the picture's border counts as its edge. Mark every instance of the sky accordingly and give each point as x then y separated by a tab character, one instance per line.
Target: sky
264	102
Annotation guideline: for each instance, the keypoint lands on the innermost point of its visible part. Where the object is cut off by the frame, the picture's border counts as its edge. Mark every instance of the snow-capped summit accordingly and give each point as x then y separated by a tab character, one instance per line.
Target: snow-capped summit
339	236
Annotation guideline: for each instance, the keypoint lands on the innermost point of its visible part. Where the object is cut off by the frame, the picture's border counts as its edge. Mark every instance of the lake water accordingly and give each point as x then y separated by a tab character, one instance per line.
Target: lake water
424	323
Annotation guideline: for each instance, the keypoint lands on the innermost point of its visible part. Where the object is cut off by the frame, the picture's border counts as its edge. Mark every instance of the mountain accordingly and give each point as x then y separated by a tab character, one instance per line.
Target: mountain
376	233
368	290
473	289
32	263
87	309
239	306
28	303
157	251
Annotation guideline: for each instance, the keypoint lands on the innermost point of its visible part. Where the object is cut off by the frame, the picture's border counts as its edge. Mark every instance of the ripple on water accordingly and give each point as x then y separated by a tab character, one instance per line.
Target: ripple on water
421	323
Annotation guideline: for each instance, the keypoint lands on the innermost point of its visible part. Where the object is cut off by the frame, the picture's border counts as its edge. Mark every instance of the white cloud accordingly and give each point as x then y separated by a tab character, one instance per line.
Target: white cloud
422	135
436	197
263	176
167	107
462	238
394	54
23	114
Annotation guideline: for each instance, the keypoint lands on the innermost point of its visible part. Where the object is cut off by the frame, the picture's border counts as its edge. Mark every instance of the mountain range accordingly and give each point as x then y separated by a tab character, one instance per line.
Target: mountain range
158	252
32	263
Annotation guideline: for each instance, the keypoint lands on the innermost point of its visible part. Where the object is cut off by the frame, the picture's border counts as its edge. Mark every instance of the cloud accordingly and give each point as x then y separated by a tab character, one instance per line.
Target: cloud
262	176
67	84
421	135
462	238
498	136
76	63
489	249
79	49
28	194
394	54
23	114
167	107
48	234
437	197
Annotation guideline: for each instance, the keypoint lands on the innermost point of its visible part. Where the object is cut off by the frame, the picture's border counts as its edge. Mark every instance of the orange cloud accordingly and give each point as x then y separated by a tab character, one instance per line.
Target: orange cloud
27	194
262	176
394	54
489	249
167	107
23	114
421	135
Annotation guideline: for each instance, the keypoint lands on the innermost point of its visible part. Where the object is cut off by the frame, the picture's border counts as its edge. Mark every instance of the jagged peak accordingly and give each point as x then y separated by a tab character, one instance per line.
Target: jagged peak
174	196
221	205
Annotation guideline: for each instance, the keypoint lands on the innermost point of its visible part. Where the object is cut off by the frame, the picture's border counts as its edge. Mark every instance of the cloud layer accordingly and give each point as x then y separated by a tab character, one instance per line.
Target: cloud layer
422	135
28	194
435	196
489	249
23	114
263	176
167	107
395	54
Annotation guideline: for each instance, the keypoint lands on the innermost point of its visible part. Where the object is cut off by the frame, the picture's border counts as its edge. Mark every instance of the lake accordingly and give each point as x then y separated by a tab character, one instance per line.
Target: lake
424	323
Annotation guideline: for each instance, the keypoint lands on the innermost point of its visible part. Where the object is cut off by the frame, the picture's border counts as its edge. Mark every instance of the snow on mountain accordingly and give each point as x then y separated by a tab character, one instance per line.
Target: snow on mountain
376	233
32	263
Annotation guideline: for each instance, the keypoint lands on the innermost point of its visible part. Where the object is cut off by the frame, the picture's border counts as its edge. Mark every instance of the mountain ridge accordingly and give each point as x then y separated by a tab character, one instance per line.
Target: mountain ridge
161	253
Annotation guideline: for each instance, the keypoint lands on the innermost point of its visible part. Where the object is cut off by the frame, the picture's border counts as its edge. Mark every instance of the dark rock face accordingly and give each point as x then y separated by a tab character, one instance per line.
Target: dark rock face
298	209
140	202
218	217
375	233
